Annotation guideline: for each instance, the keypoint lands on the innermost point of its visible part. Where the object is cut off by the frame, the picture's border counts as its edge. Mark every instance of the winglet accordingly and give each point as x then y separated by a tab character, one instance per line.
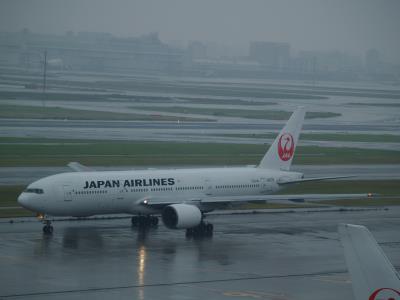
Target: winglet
280	155
372	274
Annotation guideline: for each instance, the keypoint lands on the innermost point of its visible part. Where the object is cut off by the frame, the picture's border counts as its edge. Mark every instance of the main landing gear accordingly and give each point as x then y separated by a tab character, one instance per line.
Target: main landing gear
204	229
144	221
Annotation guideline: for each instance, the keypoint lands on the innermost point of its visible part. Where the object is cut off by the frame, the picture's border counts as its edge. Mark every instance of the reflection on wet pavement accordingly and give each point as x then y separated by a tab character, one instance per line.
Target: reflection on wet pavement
263	256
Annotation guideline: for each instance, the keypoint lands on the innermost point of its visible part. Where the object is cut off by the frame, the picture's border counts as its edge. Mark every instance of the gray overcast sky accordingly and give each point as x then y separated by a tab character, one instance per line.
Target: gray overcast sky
349	25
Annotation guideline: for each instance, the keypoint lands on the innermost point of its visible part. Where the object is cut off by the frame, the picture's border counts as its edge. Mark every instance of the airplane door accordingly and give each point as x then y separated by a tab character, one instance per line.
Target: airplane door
208	187
67	193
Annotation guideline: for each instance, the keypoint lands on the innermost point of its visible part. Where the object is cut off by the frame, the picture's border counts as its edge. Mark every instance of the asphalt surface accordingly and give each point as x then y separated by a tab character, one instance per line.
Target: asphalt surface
206	132
273	255
26	175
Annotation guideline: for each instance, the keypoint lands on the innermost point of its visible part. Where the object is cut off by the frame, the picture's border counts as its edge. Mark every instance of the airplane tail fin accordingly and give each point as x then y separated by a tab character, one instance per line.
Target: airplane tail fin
280	155
372	274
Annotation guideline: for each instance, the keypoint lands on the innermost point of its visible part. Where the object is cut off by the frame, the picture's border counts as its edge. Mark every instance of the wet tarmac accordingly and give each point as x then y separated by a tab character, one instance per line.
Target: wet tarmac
245	125
274	255
356	103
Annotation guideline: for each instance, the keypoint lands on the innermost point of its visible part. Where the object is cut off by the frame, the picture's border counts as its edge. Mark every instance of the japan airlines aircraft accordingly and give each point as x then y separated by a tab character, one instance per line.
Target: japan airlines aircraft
180	196
372	275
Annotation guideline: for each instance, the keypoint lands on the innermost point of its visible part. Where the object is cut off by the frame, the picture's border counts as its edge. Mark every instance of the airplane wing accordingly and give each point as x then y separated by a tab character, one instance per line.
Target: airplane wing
77	167
210	200
372	274
279	198
312	179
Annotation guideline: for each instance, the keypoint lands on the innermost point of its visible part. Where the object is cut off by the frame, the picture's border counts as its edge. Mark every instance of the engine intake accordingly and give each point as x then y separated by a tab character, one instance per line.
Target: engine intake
181	216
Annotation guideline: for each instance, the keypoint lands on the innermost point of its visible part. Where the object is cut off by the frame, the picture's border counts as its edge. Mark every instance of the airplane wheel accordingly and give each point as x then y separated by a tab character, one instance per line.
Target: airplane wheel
144	221
198	231
154	221
209	229
189	233
202	230
141	222
48	229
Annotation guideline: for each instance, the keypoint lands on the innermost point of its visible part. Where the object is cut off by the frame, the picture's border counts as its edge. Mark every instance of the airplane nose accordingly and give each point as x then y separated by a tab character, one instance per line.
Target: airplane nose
23	200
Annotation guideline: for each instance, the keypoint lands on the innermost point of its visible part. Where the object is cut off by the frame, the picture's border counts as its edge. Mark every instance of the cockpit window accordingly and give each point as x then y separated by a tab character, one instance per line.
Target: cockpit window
35	191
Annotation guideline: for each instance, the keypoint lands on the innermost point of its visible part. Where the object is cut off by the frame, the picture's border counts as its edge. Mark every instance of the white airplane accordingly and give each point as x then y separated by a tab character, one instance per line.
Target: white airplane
372	274
181	196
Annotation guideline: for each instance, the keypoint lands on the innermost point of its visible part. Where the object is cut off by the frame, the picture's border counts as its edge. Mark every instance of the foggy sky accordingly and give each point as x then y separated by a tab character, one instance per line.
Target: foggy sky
347	25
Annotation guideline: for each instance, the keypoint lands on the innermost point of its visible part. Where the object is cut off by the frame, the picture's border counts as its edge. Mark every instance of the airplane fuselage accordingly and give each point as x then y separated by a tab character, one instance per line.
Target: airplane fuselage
91	193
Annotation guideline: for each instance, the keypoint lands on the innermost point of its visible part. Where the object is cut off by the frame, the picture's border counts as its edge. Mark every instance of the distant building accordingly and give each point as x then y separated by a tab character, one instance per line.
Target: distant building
88	51
329	61
271	54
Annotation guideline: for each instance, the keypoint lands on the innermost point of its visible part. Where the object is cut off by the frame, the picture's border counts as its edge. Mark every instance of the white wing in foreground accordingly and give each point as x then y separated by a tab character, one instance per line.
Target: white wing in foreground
372	274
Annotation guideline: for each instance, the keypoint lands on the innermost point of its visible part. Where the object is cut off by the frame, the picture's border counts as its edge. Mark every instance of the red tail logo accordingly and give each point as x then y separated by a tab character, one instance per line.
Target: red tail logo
286	146
385	293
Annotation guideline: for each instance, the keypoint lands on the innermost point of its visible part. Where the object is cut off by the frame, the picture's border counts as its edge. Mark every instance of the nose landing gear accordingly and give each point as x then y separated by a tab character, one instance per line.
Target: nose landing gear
47	228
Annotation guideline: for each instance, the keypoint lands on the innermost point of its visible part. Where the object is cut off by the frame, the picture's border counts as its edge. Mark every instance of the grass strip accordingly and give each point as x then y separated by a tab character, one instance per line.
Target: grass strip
40	112
376	104
207	100
107	97
108	153
342	137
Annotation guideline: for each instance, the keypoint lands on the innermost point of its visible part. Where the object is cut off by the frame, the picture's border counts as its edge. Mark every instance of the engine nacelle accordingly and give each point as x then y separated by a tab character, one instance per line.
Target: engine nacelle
181	216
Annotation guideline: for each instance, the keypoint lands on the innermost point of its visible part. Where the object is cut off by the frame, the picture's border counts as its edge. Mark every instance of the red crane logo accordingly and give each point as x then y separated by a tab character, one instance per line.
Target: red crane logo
286	146
385	293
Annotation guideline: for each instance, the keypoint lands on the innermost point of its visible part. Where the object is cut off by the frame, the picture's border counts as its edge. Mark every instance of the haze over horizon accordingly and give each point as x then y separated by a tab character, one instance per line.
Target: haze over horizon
350	26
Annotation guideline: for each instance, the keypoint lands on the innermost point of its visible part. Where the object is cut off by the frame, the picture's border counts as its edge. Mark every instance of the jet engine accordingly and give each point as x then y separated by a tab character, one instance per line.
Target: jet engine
181	216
